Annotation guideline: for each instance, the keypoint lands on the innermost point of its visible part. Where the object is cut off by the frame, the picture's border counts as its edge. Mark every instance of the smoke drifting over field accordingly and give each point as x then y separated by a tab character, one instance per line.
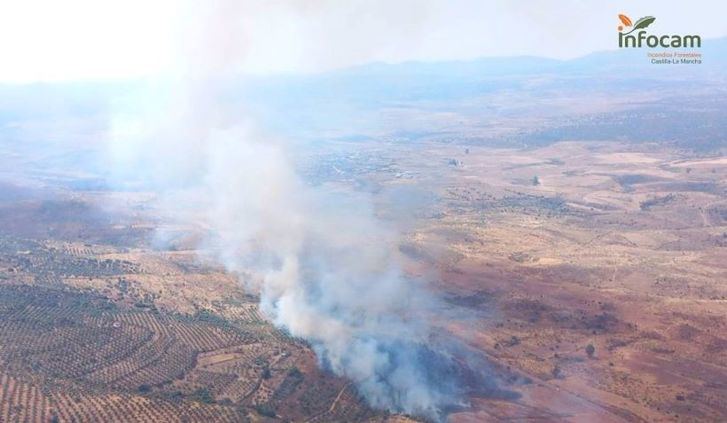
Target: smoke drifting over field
325	268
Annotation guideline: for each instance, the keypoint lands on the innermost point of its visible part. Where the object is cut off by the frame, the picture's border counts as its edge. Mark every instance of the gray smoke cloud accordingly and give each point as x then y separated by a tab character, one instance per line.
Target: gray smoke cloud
325	268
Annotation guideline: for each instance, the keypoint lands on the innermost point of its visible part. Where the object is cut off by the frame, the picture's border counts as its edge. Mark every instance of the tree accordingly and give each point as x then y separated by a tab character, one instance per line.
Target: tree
590	350
265	410
557	372
295	371
536	180
203	395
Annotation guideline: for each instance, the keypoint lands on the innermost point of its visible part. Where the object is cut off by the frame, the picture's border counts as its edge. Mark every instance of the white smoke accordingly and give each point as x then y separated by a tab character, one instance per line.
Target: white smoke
325	268
326	272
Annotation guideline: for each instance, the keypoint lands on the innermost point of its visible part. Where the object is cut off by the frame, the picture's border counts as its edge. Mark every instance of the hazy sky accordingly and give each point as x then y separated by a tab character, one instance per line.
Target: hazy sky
82	39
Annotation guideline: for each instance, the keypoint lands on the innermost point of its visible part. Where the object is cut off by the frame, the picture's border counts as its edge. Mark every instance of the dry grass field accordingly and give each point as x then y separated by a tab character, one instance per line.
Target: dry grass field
591	276
442	223
577	247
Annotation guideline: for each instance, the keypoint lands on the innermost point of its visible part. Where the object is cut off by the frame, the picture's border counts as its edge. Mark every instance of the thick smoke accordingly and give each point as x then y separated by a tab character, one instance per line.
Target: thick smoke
326	270
326	273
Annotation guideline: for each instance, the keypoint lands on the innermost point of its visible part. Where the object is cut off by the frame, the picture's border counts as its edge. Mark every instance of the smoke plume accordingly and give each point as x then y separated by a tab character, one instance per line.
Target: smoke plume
325	268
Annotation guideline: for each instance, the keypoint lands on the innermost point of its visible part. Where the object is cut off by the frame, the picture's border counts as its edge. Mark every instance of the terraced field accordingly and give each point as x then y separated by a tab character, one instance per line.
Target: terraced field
71	355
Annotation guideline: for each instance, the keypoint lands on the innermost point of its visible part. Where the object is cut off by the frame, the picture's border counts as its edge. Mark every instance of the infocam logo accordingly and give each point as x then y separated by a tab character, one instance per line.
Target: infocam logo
627	39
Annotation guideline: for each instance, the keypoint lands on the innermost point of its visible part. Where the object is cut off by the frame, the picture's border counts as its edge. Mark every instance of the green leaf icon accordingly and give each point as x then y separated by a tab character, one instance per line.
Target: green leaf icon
644	22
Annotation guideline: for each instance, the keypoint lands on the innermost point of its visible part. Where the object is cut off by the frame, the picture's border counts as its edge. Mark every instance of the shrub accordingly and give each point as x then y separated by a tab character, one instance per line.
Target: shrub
265	410
590	350
203	395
